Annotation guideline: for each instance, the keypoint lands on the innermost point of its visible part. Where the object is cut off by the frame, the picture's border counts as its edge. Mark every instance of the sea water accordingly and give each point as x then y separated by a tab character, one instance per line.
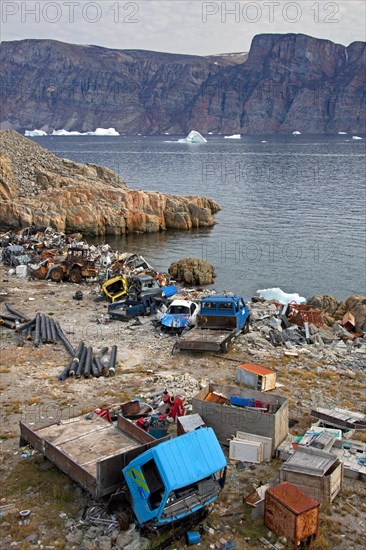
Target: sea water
293	207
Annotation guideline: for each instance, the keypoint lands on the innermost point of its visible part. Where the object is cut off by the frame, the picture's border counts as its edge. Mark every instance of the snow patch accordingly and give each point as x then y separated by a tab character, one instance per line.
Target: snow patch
281	297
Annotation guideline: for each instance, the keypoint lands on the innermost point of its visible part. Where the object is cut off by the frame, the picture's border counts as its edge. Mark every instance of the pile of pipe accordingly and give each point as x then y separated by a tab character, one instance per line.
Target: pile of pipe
42	329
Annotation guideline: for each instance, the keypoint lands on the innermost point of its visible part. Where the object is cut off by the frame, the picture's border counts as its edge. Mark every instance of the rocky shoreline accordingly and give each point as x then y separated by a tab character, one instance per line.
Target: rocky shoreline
37	187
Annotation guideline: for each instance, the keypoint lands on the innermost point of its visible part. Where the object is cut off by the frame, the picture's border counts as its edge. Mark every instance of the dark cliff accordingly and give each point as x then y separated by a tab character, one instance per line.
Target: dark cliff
287	82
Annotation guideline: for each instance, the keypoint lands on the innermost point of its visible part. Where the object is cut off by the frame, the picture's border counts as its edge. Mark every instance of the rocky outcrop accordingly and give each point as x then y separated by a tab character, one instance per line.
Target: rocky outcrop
334	311
38	187
287	82
193	271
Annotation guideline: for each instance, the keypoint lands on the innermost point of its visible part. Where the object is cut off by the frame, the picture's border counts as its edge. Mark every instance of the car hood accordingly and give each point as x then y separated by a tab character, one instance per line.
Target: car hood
175	320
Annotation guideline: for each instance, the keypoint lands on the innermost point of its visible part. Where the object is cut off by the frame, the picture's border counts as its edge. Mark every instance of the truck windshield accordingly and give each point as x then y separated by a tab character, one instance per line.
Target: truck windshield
154	483
226	306
179	310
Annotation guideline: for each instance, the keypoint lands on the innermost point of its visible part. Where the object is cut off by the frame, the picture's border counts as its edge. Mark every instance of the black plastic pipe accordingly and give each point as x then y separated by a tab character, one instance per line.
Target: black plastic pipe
98	364
112	361
81	364
37	332
26	325
17	313
43	329
95	368
63	339
74	363
53	330
88	362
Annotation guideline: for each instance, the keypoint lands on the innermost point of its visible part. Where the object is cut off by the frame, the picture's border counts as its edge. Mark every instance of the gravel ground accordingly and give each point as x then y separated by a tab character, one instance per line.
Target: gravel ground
31	391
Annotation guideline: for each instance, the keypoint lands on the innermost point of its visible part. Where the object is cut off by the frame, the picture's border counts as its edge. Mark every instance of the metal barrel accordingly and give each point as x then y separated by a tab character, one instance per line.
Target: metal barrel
81	364
43	329
37	332
26	325
63	339
53	330
88	362
74	363
112	361
15	312
48	329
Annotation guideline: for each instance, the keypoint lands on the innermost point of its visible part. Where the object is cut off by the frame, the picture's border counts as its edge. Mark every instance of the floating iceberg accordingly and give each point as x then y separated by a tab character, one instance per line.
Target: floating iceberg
279	296
193	137
98	132
296	133
34	133
356	137
342	133
234	136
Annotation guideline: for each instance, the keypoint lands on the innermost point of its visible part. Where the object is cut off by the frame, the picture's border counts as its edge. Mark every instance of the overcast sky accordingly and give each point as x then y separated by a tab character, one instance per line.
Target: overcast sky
180	26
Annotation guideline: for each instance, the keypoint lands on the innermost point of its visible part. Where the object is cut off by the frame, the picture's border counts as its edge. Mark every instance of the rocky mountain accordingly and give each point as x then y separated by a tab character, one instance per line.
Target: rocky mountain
41	188
286	82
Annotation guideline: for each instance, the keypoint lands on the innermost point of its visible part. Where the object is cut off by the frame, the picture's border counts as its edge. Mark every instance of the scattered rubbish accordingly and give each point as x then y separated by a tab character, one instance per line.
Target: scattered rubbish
226	420
78	295
256	376
290	512
340	418
221	318
256	501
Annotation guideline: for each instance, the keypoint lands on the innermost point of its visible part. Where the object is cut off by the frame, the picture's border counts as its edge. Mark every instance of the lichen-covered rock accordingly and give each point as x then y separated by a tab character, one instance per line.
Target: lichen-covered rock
38	187
193	271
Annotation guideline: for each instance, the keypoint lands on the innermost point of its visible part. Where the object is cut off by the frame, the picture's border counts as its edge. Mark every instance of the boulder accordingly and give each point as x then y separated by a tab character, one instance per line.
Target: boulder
357	306
193	271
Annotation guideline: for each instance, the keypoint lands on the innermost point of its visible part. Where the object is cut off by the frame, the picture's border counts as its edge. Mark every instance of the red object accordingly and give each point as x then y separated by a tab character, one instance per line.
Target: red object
177	408
143	424
258	403
104	413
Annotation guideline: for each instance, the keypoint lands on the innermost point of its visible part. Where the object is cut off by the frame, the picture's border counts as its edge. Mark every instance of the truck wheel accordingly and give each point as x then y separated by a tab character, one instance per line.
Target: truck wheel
246	327
75	276
123	520
56	275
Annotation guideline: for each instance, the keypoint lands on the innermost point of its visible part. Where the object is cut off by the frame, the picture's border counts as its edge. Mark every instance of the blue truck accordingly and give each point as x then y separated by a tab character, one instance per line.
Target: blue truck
222	317
163	481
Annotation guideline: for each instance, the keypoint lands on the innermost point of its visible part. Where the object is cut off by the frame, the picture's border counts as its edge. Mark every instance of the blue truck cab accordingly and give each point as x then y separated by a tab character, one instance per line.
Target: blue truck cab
176	478
223	311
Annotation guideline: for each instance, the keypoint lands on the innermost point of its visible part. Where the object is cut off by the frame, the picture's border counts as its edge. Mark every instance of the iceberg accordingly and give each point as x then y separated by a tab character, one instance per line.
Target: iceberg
34	133
342	133
281	297
234	136
98	132
193	137
296	133
356	137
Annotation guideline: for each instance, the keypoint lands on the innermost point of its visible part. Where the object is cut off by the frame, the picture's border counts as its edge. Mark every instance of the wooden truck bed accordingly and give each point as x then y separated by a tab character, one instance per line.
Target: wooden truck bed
92	452
200	339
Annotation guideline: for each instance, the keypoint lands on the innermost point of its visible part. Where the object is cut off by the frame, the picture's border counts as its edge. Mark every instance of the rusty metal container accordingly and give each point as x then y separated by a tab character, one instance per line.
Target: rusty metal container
291	513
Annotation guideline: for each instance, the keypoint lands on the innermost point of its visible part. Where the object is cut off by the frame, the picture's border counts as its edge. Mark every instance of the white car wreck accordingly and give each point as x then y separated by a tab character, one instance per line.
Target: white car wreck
179	315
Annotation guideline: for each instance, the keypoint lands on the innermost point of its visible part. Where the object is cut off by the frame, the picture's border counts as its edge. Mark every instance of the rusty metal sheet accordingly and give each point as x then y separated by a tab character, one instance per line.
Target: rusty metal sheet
302	313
